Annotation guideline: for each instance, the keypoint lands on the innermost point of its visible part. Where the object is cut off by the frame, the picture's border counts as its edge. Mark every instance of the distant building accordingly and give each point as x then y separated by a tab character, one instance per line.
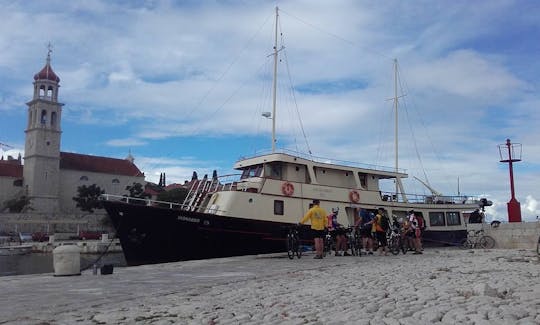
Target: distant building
49	178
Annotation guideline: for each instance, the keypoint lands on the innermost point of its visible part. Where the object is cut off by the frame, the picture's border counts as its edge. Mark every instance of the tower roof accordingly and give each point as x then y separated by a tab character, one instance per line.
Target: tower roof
47	72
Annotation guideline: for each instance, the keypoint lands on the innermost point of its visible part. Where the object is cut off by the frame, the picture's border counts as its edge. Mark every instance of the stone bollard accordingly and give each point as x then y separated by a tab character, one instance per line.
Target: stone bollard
51	239
104	238
67	260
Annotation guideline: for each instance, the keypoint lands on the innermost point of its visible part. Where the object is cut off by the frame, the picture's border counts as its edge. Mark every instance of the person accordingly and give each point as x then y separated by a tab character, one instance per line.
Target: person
317	217
338	233
364	225
379	231
475	217
416	225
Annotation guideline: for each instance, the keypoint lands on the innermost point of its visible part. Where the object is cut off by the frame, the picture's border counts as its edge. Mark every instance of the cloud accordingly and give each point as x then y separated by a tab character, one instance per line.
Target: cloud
129	142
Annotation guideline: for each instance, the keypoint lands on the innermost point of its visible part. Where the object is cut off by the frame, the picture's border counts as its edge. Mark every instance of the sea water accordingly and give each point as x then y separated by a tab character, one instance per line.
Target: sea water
36	263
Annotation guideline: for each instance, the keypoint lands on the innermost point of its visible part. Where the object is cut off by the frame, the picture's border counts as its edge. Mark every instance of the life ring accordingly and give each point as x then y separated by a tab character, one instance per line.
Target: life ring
354	196
287	189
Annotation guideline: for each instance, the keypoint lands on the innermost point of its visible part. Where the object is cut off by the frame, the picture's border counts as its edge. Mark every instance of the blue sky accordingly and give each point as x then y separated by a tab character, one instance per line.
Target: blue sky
183	84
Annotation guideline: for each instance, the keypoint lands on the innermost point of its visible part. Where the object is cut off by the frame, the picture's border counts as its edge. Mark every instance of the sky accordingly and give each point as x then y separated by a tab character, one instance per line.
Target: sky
182	85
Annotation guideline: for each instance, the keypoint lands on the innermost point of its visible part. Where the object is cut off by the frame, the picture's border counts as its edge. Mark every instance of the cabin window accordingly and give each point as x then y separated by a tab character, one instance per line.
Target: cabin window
252	171
452	219
18	182
436	219
273	170
279	207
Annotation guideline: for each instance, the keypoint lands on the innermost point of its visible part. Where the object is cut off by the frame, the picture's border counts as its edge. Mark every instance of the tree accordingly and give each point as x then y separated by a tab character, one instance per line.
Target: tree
177	195
137	191
16	205
88	198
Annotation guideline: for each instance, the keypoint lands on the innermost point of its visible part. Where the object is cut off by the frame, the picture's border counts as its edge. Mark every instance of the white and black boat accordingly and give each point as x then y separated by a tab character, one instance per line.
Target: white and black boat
250	212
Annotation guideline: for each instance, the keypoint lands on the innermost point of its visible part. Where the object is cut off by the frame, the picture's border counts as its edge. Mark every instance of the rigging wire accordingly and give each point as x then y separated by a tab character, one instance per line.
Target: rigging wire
336	36
292	91
231	64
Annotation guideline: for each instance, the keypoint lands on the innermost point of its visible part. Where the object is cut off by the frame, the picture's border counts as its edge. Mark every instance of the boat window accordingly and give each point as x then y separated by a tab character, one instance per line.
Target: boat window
436	219
252	171
273	170
278	207
452	219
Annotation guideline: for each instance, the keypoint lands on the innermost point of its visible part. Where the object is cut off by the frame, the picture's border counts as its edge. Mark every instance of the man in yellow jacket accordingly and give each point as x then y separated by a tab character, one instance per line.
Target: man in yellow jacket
317	217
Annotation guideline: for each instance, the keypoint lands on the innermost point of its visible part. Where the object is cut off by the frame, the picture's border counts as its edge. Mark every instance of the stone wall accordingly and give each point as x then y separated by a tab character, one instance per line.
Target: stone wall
520	235
60	223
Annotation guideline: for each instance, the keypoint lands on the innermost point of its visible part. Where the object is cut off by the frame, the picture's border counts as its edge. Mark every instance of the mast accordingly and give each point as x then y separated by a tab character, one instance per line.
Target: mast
396	121
274	90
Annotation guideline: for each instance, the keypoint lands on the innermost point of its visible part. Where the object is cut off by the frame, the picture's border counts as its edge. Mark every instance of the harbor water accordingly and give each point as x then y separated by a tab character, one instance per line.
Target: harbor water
36	263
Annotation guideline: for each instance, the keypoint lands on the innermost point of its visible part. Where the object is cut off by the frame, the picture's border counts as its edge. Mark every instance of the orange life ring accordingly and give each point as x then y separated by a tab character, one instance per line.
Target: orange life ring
287	189
354	196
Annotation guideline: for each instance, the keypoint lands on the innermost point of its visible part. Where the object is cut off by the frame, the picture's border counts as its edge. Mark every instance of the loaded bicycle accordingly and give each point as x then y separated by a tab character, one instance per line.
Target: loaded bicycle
477	239
293	243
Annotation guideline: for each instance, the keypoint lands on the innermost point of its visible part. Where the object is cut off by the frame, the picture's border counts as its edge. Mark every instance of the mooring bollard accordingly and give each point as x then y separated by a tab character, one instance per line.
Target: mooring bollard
67	260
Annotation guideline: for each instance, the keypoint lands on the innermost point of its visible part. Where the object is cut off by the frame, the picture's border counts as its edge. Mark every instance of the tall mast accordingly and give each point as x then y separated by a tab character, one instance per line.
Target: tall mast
274	91
396	121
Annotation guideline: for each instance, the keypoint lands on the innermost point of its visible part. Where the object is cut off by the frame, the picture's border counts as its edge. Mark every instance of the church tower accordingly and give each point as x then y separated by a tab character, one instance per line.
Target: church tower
42	146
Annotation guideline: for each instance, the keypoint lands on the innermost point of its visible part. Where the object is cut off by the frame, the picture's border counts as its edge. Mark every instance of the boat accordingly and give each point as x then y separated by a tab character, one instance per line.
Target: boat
250	212
9	250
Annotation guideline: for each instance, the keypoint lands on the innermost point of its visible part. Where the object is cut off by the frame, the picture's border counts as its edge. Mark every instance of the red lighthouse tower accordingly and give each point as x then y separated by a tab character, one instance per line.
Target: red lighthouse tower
510	153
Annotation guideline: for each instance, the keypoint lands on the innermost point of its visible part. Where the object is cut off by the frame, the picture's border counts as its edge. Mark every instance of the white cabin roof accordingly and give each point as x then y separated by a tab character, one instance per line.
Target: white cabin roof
382	172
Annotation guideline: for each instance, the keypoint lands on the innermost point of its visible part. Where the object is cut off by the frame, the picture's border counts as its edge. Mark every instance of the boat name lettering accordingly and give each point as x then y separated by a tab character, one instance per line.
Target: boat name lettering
188	219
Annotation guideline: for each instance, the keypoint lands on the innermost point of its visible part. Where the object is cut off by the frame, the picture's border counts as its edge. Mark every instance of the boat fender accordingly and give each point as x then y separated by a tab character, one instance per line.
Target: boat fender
354	196
287	189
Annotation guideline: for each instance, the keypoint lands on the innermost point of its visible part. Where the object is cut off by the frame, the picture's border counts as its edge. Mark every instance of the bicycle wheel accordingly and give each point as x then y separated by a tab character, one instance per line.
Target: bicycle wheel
290	246
466	244
486	242
297	248
393	245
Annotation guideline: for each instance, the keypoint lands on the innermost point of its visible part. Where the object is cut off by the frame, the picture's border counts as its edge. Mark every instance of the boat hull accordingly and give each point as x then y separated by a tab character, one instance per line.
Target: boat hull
152	235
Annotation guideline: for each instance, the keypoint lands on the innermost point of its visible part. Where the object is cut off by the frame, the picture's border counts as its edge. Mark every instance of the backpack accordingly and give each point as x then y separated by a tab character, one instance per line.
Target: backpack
385	223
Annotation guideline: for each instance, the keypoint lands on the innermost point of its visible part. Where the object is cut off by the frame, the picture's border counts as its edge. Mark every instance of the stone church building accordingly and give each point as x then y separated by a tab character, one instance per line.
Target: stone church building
49	178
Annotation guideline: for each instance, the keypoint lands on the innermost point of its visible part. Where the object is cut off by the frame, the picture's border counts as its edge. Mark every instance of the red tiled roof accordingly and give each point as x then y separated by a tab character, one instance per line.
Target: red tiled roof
96	164
46	73
9	169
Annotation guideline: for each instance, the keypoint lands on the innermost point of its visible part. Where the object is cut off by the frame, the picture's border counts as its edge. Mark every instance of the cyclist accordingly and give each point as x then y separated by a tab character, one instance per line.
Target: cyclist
317	217
380	232
364	224
338	233
416	225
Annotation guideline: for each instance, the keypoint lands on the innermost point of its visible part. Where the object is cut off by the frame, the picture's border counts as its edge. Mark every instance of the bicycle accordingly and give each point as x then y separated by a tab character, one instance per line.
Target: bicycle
293	243
395	242
477	239
354	242
329	244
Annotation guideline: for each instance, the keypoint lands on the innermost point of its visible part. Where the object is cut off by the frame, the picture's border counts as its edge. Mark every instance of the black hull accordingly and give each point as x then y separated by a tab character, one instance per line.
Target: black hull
152	235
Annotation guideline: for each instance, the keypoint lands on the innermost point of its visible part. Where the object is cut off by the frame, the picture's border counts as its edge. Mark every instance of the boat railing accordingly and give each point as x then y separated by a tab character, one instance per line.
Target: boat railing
141	201
324	160
429	199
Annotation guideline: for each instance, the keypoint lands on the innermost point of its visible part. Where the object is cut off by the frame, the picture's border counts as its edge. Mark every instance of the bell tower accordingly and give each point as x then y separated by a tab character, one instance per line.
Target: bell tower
42	145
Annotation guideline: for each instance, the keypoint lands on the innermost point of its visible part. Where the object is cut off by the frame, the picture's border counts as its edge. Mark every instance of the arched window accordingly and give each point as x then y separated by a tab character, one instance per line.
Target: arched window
83	178
115	181
53	119
43	116
41	91
49	91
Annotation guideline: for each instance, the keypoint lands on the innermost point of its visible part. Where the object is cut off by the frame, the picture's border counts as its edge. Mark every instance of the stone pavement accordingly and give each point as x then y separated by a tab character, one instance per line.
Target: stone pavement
445	286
